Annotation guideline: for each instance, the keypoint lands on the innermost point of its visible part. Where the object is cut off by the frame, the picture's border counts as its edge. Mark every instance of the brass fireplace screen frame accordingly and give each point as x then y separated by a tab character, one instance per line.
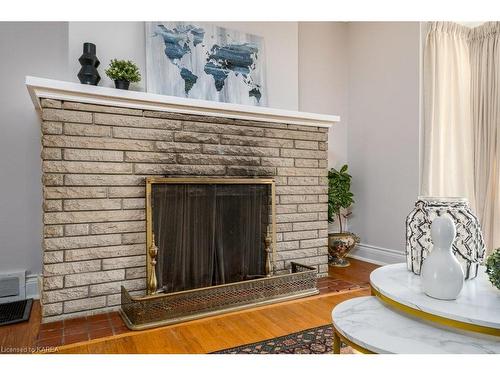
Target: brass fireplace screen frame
157	309
151	248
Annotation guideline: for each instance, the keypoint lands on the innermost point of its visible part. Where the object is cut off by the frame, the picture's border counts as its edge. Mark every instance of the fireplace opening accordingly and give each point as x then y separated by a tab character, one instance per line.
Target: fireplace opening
206	232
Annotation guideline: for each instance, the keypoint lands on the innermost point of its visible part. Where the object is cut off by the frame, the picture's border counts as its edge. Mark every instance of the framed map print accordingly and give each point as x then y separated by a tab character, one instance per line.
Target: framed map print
205	61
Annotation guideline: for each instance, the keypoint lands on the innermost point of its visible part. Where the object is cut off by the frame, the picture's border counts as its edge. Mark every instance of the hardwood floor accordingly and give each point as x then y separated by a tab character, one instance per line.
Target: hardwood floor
224	331
209	334
21	336
358	272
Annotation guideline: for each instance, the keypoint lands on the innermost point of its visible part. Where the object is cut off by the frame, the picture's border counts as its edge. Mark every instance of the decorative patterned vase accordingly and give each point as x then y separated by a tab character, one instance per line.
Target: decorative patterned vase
88	74
339	246
468	245
442	275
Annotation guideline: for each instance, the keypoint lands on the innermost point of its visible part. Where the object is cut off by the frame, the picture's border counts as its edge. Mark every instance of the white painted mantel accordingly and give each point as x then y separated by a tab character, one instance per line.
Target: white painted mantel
75	92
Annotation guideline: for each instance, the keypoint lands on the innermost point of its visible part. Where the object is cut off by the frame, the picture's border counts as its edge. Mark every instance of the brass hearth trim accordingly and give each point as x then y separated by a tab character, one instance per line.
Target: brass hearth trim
251	305
150	244
189	291
149	311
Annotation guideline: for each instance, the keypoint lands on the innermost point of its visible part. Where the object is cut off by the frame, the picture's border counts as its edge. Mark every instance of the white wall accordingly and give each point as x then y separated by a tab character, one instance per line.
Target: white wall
51	50
121	40
383	133
365	72
125	40
324	81
28	48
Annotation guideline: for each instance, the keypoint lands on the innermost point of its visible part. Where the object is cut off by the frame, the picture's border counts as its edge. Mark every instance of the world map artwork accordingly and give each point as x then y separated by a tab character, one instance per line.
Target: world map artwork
205	62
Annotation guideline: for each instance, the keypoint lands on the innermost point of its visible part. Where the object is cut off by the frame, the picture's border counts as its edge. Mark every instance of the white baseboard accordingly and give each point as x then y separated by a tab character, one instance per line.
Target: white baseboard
377	255
32	286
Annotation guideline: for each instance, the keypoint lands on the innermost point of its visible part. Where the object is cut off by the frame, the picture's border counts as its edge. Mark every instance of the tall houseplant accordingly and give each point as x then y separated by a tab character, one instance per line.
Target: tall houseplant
340	199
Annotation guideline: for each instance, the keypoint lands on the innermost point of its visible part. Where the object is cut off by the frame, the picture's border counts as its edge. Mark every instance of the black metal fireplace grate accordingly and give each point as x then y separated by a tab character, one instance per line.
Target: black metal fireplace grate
15	312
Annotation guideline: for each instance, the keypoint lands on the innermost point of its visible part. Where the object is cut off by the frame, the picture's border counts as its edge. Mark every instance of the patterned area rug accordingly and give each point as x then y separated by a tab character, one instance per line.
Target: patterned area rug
317	340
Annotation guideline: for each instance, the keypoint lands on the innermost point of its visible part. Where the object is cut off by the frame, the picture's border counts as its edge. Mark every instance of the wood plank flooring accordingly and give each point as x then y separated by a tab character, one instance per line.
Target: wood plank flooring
209	334
224	331
21	336
358	272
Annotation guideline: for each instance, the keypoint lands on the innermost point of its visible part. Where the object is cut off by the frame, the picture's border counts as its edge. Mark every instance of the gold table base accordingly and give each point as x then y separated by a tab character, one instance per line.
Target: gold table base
439	320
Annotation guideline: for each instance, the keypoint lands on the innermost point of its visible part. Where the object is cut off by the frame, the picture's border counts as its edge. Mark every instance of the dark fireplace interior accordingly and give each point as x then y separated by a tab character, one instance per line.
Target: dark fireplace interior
209	234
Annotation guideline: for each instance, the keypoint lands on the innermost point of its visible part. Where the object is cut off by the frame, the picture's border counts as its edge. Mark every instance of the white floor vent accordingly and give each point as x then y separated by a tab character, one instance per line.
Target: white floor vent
12	286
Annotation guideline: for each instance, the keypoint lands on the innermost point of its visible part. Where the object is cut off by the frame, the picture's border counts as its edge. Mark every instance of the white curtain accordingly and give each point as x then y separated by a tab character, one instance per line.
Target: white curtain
447	137
461	148
485	85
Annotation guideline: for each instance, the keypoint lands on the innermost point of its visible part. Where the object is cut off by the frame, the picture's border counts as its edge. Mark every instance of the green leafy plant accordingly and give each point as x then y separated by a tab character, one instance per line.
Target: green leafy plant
339	194
493	267
123	70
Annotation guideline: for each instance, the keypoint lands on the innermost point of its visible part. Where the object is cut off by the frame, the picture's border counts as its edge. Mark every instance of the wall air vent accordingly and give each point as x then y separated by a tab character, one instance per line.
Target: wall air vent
12	286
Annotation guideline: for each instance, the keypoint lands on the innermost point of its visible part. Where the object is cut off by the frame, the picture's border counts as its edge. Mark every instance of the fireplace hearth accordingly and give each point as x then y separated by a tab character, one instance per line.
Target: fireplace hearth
100	145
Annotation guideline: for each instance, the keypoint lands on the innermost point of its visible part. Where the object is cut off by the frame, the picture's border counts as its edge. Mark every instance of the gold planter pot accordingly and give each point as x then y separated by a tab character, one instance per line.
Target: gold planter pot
339	246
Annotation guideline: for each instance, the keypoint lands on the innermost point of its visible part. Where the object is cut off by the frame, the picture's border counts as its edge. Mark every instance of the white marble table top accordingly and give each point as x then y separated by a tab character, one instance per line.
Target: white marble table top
478	302
369	323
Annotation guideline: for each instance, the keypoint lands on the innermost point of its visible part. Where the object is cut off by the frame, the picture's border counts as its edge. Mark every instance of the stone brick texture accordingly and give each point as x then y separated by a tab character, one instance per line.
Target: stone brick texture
94	163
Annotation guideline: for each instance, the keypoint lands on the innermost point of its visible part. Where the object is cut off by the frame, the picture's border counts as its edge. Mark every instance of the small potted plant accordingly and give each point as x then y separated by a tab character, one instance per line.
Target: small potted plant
123	72
493	267
340	200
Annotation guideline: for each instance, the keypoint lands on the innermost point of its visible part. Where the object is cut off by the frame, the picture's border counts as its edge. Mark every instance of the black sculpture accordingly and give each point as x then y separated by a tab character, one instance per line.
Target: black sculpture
88	74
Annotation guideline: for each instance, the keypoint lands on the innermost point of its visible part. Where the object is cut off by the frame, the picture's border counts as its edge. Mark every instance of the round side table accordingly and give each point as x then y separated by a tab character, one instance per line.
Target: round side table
400	318
369	326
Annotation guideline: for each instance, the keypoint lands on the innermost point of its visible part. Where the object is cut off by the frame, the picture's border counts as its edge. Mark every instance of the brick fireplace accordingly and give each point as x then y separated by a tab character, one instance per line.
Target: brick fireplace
97	152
